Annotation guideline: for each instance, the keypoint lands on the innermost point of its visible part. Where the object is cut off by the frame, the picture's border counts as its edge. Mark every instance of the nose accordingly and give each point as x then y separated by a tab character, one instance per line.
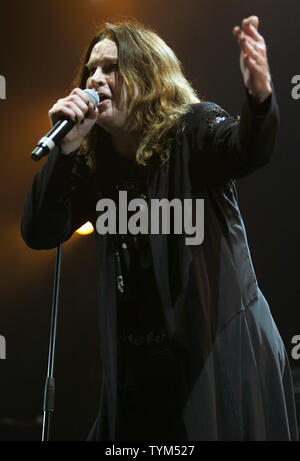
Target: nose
98	78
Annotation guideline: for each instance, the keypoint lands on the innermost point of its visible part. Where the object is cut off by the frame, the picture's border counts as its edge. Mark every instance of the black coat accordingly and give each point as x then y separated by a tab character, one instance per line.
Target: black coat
235	374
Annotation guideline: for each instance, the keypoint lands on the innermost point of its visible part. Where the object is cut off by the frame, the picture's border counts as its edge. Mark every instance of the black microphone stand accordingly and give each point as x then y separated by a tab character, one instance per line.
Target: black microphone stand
48	407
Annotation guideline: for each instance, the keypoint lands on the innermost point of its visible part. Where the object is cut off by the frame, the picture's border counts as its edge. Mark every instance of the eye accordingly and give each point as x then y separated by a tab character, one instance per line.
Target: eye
92	70
109	68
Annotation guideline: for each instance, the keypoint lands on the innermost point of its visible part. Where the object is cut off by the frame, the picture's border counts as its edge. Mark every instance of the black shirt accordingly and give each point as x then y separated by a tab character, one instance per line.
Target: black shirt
147	367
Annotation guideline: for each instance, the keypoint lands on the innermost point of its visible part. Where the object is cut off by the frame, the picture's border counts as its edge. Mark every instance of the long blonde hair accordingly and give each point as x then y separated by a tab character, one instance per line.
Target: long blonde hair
147	63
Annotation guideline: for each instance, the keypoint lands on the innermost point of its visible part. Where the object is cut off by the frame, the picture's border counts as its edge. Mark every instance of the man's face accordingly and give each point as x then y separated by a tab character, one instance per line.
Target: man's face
105	80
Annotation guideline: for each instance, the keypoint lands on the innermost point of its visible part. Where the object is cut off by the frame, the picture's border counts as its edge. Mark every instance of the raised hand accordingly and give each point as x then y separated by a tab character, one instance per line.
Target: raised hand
253	59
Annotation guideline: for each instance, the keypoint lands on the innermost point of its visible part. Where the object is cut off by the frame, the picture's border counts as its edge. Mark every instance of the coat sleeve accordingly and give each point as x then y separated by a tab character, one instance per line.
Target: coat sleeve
225	147
59	201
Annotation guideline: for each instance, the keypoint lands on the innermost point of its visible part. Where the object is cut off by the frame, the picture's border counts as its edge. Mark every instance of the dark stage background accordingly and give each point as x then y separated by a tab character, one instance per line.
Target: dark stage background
41	43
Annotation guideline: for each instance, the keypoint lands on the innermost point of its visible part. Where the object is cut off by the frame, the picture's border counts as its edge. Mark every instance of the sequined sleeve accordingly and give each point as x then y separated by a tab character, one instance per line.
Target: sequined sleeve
225	147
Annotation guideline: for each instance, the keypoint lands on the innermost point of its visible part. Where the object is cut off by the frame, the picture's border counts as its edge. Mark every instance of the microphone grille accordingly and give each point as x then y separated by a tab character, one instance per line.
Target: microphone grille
93	96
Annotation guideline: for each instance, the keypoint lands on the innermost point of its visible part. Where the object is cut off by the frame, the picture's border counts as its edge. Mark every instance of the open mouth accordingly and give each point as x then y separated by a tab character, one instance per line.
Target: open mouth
103	98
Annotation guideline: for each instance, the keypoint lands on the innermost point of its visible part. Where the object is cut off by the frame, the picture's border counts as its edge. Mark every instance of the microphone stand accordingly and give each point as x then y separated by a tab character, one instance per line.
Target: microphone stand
48	407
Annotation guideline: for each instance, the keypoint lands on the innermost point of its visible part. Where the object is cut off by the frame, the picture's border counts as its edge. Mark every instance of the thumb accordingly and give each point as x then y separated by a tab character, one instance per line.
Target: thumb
92	112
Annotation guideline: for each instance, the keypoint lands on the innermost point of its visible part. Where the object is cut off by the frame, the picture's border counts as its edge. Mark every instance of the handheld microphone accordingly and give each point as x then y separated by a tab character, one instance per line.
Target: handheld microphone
47	143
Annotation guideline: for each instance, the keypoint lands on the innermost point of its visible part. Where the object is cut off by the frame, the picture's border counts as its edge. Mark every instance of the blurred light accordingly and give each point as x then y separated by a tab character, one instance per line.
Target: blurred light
86	229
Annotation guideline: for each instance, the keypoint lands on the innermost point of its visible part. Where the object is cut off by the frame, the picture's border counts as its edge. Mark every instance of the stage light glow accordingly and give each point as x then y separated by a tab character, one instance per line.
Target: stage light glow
86	229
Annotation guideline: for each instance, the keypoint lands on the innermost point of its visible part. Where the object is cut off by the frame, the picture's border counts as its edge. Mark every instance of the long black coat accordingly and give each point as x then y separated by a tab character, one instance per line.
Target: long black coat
236	381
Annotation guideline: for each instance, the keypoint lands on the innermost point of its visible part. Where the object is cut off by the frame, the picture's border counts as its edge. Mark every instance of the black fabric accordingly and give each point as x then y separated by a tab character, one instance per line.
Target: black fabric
148	374
235	381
